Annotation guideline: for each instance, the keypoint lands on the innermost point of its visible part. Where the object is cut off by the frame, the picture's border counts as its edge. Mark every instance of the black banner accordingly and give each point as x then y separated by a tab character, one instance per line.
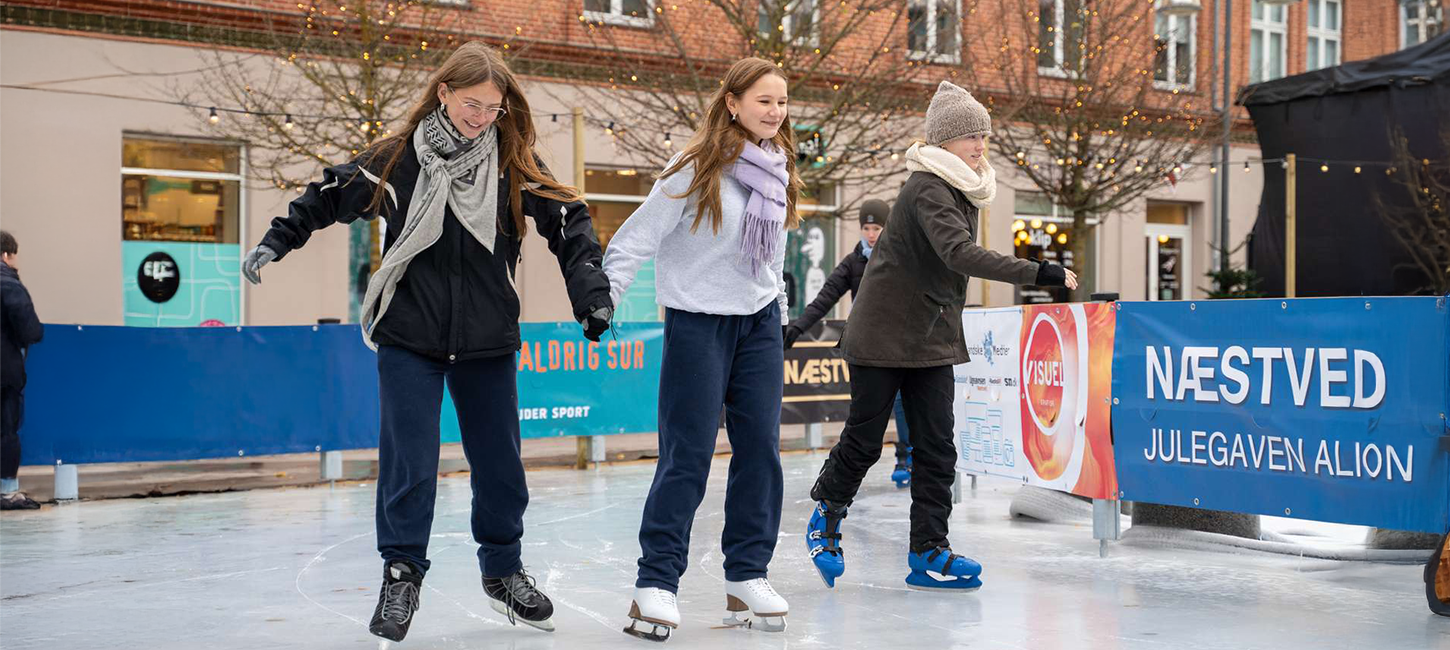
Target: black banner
817	380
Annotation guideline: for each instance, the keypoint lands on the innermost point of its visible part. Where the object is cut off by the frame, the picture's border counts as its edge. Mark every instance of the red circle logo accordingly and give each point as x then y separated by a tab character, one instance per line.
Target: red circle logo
1042	374
1047	440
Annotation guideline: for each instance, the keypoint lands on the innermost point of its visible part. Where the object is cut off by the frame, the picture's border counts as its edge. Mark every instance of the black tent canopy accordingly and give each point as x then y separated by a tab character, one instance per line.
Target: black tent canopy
1342	115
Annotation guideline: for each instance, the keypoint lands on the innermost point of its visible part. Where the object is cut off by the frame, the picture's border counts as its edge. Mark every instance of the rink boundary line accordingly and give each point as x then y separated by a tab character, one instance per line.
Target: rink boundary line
298	582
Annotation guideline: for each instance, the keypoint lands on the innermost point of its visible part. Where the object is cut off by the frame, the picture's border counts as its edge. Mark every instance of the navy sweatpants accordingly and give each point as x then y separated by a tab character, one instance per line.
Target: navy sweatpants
710	361
485	394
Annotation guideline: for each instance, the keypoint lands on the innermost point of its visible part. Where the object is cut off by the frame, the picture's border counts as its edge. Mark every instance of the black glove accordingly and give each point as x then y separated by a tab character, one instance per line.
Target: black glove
1050	274
790	333
597	322
256	259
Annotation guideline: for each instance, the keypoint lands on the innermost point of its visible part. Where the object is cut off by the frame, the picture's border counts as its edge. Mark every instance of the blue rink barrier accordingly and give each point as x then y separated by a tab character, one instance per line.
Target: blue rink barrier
123	394
1328	409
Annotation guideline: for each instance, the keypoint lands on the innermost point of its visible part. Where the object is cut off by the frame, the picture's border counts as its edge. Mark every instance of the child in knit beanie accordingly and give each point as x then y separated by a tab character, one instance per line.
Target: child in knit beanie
905	334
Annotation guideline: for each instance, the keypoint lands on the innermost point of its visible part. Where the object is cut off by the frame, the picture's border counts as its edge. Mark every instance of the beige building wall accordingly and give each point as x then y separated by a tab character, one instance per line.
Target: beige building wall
60	191
60	180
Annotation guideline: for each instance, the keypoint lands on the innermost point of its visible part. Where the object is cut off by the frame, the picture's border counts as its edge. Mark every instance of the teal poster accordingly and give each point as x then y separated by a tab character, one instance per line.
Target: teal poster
571	386
180	284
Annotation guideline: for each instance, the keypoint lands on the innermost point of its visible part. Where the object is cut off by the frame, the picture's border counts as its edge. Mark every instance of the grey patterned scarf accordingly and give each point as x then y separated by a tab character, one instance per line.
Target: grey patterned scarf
455	172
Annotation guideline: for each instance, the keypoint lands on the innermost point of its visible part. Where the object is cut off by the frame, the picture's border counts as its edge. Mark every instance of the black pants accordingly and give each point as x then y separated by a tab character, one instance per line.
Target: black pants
12	407
484	392
926	395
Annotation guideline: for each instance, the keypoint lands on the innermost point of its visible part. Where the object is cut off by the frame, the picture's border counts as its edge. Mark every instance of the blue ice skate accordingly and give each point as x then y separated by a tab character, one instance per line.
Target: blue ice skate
823	539
902	475
958	574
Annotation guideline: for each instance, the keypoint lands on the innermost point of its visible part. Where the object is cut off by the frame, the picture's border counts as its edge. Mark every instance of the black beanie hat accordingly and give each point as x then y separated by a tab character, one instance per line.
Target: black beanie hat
875	211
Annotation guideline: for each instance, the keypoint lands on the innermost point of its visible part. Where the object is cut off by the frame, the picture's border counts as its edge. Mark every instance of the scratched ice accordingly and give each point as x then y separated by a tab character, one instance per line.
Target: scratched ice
297	568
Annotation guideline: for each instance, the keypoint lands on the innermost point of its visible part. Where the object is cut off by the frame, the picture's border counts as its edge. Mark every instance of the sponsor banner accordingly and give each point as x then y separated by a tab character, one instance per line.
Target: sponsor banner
571	386
1032	404
1325	409
817	379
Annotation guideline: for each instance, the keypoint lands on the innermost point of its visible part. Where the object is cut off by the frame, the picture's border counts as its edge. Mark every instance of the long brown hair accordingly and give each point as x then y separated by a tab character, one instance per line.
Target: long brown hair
720	140
471	64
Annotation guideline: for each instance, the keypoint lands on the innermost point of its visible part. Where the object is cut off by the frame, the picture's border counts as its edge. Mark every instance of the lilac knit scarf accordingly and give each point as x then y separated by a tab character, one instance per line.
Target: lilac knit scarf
763	173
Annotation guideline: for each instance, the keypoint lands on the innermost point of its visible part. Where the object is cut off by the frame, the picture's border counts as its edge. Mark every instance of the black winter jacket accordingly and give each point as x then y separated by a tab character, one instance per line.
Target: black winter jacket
20	328
908	312
457	300
846	277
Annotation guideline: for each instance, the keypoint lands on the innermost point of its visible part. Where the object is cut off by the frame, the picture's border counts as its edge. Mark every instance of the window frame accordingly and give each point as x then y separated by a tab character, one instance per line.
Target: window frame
616	16
932	35
1262	30
1422	23
1059	44
1172	83
1324	34
788	22
240	177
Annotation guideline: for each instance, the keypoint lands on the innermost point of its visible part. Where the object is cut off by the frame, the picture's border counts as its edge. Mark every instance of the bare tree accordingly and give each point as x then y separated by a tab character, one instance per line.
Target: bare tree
1417	213
1091	98
314	87
856	95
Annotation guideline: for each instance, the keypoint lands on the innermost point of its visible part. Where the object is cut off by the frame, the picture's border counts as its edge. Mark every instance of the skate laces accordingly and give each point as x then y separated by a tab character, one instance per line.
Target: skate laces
521	590
762	587
400	600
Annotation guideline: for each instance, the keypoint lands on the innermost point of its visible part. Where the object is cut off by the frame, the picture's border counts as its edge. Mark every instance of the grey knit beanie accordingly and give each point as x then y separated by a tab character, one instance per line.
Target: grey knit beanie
953	114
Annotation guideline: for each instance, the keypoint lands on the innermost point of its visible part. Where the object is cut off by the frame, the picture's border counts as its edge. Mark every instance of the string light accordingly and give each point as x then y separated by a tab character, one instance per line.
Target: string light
1324	168
1213	169
609	130
213	118
287	125
1246	166
1356	169
668	144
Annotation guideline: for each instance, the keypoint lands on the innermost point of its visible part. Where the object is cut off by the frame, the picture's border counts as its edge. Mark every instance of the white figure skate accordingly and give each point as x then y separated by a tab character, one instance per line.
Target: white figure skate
655	609
763	608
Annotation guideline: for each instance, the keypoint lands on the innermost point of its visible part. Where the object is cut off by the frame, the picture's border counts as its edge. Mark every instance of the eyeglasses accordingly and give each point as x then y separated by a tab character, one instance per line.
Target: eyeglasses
476	109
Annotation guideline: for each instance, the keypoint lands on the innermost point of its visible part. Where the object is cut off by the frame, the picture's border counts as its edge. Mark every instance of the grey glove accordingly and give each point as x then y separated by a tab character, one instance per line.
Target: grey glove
597	323
256	259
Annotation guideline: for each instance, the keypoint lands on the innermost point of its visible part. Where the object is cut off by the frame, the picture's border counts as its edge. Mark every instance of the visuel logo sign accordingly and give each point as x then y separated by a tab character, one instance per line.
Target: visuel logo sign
1051	415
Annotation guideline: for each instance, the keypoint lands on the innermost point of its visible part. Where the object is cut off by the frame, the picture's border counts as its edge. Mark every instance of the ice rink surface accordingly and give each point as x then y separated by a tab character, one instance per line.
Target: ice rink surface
297	568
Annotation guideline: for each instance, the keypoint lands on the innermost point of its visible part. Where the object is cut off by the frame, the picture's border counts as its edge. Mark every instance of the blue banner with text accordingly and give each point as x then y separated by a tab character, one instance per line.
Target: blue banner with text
1327	409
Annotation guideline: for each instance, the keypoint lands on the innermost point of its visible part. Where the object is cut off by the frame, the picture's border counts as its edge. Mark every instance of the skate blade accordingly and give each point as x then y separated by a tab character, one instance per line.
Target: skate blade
762	623
652	635
546	625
